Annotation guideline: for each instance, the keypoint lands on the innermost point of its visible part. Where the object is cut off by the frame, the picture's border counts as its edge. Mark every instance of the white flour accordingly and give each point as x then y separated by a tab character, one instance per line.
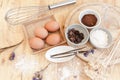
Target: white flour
26	65
99	37
65	73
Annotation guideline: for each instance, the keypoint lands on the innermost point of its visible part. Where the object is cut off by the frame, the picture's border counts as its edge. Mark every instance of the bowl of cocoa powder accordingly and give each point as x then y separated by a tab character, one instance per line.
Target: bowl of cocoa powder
89	18
76	35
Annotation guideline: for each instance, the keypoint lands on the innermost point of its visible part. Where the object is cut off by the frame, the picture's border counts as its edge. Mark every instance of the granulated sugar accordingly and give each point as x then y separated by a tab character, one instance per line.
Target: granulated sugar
99	38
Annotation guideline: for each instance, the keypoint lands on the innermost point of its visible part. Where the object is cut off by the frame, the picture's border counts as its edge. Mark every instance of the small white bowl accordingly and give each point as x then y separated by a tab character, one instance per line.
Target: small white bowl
81	29
56	50
93	12
95	43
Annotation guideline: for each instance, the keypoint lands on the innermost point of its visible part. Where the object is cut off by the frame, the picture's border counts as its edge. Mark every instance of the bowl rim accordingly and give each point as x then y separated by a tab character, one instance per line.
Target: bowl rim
109	34
79	44
94	13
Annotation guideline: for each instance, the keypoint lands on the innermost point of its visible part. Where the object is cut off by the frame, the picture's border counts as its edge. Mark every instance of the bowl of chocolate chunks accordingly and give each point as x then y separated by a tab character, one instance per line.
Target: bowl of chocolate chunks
76	35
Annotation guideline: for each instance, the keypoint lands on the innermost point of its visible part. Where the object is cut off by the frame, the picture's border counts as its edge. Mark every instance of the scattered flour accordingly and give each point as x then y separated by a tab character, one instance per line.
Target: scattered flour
65	73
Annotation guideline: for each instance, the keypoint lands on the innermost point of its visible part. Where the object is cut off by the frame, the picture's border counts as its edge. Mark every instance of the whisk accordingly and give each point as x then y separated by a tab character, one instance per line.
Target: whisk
25	14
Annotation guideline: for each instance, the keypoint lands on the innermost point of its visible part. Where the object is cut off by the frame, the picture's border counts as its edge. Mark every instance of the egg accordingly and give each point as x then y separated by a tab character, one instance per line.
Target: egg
53	39
41	32
52	26
36	43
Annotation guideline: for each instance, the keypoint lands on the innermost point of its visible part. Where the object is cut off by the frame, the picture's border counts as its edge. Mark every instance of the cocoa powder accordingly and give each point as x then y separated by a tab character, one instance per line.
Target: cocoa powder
89	20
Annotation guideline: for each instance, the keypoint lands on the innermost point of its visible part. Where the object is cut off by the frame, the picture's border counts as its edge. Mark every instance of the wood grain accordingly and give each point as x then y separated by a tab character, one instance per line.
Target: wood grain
15	34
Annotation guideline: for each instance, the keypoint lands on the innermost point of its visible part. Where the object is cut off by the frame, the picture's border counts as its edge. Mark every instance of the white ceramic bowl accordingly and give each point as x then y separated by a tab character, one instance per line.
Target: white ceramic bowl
80	29
93	12
57	50
96	43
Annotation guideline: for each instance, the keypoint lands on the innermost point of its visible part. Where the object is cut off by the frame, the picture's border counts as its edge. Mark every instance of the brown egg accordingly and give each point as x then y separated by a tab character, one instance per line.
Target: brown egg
36	43
52	26
41	32
53	39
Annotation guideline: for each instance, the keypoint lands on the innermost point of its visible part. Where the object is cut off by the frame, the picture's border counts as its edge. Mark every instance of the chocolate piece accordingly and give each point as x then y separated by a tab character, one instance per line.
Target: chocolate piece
89	20
75	36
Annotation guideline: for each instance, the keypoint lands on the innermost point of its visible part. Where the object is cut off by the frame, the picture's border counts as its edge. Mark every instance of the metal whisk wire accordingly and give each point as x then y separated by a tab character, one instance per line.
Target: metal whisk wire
25	14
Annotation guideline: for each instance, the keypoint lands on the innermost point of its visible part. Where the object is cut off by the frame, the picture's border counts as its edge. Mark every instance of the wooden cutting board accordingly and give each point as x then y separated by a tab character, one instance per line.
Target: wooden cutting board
9	35
7	69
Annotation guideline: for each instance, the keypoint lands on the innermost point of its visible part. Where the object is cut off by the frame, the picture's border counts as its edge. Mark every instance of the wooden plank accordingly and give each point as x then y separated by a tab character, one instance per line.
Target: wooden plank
8	70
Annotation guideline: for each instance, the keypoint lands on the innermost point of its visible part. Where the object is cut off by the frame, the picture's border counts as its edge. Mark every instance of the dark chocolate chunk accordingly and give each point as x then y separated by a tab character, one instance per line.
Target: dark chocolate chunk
75	36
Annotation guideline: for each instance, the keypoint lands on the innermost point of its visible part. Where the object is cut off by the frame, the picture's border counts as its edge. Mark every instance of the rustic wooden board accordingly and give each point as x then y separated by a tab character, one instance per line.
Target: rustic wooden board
7	68
40	22
109	21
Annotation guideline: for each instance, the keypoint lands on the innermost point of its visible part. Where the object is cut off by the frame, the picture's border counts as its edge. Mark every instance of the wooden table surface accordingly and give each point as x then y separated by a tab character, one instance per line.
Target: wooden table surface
25	64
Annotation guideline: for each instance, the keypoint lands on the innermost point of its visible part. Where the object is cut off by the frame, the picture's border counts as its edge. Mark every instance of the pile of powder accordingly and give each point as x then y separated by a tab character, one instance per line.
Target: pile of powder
65	73
99	38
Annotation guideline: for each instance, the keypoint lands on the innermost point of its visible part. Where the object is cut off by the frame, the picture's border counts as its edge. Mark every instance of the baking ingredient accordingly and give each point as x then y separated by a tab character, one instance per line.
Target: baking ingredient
52	26
53	39
75	36
26	64
99	38
66	72
36	43
41	32
89	20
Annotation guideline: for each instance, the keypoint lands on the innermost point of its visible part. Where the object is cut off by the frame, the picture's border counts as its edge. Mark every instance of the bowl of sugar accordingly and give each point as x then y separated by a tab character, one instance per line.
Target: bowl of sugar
100	38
